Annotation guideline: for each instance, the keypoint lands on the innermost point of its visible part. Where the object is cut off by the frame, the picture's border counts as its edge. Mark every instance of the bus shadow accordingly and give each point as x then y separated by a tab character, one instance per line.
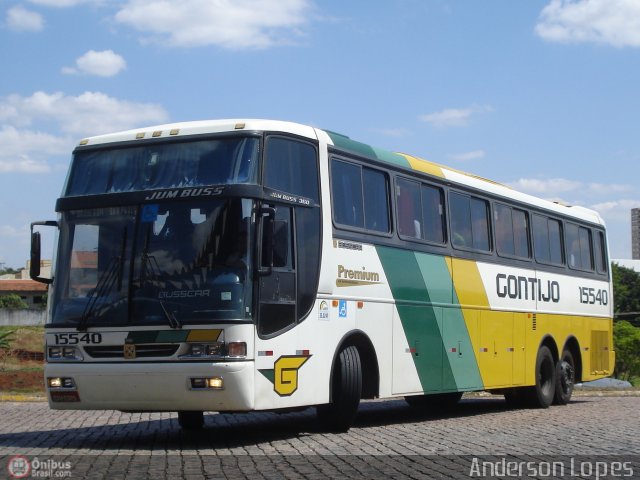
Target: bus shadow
250	432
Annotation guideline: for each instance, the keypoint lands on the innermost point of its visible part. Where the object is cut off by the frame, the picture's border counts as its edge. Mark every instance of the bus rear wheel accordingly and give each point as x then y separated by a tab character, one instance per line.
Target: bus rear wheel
191	420
565	378
543	393
346	389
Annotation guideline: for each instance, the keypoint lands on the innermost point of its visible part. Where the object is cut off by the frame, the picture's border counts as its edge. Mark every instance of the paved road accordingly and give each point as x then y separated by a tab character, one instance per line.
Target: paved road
389	440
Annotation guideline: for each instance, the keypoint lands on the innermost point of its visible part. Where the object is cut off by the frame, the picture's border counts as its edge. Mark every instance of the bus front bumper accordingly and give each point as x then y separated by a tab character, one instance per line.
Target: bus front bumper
151	386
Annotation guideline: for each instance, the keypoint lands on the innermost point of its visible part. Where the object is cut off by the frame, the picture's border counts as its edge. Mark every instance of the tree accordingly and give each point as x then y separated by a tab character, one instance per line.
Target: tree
626	340
626	293
8	270
12	302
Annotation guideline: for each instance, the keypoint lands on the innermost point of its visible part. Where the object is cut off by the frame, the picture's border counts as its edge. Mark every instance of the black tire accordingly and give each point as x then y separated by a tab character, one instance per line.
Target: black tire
346	390
436	401
543	393
191	420
565	378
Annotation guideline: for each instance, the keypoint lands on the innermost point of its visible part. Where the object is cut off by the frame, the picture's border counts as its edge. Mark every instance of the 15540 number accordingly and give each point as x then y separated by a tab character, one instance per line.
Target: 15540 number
593	296
76	338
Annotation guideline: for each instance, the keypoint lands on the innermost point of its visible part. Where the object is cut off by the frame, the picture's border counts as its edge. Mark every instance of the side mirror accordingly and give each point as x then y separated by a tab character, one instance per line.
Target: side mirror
267	215
36	253
34	267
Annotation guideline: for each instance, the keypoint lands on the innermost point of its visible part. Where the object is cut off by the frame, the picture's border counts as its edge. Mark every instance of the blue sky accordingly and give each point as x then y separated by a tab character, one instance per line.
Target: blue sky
542	95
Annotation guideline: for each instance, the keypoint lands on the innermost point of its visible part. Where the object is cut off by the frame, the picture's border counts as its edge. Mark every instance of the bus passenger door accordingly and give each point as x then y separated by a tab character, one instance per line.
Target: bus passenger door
277	285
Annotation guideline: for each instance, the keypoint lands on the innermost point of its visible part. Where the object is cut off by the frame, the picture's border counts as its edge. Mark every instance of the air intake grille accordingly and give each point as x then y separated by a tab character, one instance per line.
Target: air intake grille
142	351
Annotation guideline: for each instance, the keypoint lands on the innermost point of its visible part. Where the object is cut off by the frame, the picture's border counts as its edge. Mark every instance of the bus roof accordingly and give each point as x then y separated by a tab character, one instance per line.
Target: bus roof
343	142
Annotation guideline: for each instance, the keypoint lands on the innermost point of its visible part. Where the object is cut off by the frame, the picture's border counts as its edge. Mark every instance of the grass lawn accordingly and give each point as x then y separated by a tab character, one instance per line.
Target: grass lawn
19	374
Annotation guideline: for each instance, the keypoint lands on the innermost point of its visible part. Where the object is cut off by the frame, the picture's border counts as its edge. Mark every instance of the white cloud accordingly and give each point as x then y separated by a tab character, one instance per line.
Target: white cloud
392	132
10	231
90	113
63	3
103	64
232	24
617	210
556	187
454	117
25	151
612	22
549	187
20	19
467	156
23	121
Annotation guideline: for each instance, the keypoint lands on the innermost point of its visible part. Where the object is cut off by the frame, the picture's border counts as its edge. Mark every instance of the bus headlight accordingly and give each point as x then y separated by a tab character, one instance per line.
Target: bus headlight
58	382
64	353
204	350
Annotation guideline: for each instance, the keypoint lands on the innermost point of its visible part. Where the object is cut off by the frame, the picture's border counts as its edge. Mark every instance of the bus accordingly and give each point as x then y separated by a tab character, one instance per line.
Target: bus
240	265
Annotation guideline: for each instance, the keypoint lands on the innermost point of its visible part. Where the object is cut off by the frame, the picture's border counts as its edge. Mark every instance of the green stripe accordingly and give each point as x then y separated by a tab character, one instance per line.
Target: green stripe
345	143
421	285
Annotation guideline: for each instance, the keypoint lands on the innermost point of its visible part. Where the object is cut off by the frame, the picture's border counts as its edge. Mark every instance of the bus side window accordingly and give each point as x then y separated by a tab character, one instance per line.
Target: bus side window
600	253
512	231
409	208
376	200
348	207
469	222
547	236
282	239
460	214
433	214
504	230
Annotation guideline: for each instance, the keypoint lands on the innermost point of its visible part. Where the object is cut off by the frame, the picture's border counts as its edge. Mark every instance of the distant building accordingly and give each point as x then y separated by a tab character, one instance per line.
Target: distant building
635	233
32	293
23	274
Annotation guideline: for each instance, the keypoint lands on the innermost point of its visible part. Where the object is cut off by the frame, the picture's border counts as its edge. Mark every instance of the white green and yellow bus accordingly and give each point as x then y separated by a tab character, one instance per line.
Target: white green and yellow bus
240	265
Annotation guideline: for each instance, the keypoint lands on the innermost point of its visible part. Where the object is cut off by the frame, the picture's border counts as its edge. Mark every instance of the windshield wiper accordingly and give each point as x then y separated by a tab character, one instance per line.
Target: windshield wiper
173	321
149	262
110	277
107	280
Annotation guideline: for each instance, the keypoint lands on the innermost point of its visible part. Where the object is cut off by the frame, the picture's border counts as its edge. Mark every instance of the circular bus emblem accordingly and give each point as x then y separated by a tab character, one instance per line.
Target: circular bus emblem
19	466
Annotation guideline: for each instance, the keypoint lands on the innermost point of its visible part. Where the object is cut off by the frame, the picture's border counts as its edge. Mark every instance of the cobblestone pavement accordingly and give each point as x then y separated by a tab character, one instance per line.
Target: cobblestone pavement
389	440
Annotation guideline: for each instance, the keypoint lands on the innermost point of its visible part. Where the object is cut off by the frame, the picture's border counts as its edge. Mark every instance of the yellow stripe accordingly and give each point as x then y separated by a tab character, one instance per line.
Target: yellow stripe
204	335
424	166
468	283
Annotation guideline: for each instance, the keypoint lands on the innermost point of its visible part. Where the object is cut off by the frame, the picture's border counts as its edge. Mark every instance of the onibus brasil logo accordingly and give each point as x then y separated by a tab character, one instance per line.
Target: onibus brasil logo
20	466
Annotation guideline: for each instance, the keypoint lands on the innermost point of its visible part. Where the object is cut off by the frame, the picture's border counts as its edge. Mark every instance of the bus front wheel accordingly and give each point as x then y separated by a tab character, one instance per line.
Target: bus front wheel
346	389
191	420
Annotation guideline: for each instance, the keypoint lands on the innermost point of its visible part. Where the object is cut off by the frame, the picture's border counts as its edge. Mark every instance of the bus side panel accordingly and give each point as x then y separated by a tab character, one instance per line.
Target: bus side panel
429	329
294	368
494	340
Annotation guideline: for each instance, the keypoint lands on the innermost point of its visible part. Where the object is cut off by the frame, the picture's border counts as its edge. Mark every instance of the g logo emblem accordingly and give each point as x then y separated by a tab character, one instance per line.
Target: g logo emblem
286	373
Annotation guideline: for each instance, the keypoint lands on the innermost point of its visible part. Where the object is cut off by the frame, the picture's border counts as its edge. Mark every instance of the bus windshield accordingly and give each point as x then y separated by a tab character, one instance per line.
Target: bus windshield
165	263
164	165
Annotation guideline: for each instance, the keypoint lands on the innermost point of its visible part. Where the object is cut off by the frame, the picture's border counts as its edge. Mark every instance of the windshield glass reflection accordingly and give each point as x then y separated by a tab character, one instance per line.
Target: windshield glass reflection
163	263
